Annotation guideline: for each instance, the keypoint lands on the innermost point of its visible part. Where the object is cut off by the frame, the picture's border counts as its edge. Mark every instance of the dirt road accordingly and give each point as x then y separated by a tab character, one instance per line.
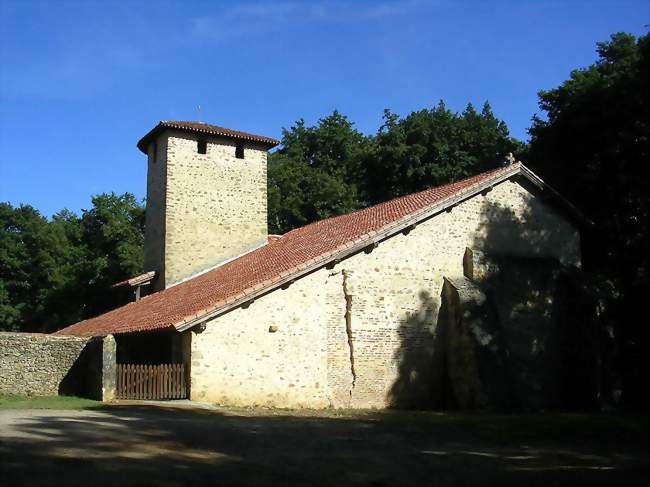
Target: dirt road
138	446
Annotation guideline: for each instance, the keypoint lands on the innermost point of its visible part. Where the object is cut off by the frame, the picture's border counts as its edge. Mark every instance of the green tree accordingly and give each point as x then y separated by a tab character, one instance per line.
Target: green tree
23	232
112	234
593	147
35	259
316	172
331	168
56	272
434	146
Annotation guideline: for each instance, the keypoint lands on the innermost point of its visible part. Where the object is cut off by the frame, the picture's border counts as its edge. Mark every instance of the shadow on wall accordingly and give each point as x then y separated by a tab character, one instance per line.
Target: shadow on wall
519	331
415	355
545	307
84	377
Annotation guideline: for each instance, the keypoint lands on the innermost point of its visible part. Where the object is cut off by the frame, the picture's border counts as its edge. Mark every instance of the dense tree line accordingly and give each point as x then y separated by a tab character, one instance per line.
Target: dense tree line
55	272
593	148
591	144
331	168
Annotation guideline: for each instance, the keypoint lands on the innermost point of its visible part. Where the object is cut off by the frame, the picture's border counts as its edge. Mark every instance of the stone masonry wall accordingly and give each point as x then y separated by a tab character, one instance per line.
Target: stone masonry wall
272	353
363	333
215	206
154	241
40	365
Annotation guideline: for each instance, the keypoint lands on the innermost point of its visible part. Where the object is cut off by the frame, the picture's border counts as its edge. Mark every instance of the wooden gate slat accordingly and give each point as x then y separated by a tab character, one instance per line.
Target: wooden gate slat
166	372
132	383
175	381
162	381
149	383
120	387
154	382
139	376
178	378
182	373
156	374
173	376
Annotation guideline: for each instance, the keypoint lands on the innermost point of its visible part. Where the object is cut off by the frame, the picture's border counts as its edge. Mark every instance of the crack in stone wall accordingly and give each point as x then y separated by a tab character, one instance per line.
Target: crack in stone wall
348	324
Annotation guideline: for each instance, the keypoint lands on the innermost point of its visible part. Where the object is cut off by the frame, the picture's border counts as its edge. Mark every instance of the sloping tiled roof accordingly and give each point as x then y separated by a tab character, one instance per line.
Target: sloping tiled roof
205	128
284	259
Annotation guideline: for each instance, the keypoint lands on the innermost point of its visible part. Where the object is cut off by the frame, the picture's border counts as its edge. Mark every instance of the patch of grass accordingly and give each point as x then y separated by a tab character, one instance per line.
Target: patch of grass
47	402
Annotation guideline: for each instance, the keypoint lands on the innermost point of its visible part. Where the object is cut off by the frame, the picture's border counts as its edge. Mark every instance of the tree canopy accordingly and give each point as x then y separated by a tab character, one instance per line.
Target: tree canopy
55	272
331	168
592	146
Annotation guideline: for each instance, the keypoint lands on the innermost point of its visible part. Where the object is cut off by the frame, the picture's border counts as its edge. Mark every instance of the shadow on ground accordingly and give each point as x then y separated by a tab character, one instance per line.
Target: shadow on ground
132	445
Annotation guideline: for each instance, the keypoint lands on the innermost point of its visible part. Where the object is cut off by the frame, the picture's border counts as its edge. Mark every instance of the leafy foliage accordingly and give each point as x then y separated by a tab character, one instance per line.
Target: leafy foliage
56	272
315	173
433	147
593	147
331	168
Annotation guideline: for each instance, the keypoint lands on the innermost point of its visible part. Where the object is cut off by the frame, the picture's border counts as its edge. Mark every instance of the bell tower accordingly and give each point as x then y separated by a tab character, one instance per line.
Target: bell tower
206	197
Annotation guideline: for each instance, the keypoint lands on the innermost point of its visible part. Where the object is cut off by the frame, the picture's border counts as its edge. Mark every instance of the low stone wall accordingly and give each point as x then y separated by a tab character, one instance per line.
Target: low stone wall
45	365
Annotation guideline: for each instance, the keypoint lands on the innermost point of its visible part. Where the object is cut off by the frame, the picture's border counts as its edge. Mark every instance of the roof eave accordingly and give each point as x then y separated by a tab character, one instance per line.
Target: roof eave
550	192
266	142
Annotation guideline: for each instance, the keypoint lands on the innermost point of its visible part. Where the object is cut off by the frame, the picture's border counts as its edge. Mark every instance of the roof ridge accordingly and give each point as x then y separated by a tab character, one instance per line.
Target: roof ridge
400	198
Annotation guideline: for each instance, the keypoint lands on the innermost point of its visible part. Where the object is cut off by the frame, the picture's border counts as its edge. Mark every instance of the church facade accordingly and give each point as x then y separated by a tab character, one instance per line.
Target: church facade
409	303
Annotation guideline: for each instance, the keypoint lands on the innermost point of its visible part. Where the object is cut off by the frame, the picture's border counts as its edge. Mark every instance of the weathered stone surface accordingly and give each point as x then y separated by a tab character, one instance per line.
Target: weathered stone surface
524	293
41	365
477	358
109	368
522	323
393	313
34	364
477	266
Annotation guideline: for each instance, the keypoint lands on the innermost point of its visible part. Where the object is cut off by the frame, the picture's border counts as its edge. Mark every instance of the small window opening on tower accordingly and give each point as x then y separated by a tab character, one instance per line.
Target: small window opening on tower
202	146
239	151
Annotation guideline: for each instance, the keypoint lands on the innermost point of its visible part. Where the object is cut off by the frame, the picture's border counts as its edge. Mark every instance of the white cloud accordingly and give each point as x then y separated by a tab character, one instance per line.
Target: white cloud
263	16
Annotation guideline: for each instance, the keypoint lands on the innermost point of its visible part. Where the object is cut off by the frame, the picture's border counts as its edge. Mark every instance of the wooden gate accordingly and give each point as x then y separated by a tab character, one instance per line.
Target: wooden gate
167	381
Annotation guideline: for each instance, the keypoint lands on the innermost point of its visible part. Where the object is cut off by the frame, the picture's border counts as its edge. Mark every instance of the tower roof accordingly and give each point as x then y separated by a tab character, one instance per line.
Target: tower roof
207	129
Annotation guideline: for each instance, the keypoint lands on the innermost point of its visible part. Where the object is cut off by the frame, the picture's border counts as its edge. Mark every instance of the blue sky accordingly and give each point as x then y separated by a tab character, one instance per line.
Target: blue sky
82	81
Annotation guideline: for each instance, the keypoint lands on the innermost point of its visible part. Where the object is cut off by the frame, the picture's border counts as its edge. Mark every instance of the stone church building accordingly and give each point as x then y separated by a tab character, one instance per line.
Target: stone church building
447	297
